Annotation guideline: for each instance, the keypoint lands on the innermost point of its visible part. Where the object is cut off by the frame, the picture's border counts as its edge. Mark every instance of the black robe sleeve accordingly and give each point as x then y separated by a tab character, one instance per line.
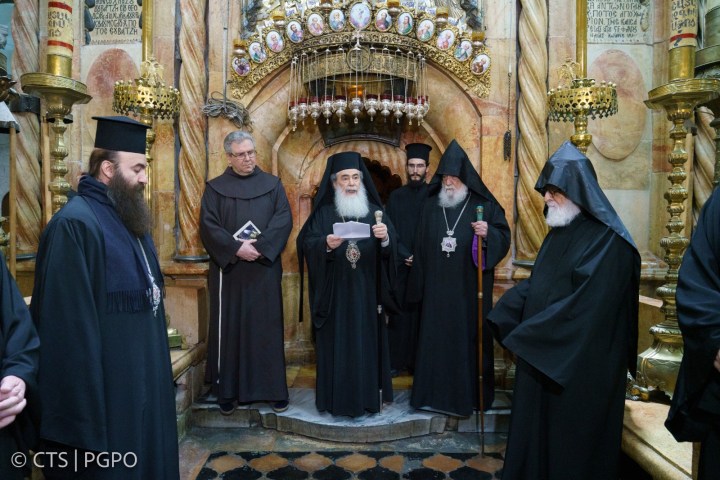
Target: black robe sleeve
497	242
697	392
69	312
219	243
555	338
19	355
274	236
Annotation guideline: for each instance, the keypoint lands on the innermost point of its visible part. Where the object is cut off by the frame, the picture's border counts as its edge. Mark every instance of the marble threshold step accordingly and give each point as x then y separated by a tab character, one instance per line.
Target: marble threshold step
396	421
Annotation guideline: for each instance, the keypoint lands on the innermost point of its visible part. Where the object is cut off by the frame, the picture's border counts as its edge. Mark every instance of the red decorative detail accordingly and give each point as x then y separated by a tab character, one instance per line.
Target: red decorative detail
63	6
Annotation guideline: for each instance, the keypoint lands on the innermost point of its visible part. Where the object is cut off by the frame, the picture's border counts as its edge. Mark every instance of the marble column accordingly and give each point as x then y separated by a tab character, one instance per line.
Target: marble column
532	146
24	29
192	126
704	166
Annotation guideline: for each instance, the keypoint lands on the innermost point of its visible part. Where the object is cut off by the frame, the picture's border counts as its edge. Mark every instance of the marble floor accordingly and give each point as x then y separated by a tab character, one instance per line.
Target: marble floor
214	445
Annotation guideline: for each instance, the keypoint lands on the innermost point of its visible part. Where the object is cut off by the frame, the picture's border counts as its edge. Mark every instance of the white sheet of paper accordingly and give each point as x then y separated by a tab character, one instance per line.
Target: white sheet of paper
351	230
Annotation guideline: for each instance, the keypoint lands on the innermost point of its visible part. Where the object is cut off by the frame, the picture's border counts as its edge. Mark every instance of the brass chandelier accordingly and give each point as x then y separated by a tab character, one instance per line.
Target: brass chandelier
355	81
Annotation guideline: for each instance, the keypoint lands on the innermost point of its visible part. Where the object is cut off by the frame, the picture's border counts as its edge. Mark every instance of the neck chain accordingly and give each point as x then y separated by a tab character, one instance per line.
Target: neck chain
352	252
449	243
156	294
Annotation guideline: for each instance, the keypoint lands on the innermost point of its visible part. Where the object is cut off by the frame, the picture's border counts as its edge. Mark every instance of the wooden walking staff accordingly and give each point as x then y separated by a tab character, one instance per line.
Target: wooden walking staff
481	414
378	295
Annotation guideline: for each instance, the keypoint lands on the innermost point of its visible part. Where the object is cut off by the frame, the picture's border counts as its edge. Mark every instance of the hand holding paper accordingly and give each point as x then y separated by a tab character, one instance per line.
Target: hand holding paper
351	230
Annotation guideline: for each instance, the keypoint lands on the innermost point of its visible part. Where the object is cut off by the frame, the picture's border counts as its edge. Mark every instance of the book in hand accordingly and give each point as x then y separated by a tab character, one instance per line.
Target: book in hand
247	232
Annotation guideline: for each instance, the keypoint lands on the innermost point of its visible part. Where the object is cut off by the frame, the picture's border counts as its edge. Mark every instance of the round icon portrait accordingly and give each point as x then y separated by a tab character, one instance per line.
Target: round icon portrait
241	66
360	15
383	21
257	53
425	30
294	31
315	24
480	64
274	41
445	39
463	51
337	20
404	23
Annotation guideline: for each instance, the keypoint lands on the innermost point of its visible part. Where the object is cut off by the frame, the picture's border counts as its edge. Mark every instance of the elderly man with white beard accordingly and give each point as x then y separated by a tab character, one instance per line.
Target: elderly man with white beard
444	278
348	278
573	328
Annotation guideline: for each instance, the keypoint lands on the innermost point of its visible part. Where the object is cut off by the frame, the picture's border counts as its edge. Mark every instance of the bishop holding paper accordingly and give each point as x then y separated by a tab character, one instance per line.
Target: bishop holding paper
349	274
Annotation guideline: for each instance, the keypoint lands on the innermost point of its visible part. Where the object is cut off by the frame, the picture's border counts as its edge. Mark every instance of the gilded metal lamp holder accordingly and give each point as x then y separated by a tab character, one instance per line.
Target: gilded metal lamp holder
658	365
147	98
579	99
60	93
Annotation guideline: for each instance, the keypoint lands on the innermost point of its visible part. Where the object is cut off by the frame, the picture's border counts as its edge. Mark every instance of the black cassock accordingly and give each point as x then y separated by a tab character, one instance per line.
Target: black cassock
246	314
105	378
343	302
404	207
19	351
571	326
446	284
695	411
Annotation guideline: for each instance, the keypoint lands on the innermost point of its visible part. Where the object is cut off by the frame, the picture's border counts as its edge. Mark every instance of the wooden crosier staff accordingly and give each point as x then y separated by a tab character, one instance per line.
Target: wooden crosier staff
481	404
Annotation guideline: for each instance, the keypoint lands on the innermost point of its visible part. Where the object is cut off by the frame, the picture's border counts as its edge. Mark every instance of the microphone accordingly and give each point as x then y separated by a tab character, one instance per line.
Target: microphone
379	214
478	212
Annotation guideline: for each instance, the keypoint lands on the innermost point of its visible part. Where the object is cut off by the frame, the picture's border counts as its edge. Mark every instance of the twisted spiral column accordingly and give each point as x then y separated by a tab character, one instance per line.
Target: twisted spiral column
532	119
24	28
705	157
192	163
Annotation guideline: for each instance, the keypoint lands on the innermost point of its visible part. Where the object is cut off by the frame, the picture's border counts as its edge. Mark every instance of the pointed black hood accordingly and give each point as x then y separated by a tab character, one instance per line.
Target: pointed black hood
573	173
455	162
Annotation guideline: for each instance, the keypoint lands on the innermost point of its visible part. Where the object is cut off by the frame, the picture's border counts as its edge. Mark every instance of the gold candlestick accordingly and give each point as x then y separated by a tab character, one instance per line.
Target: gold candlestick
658	365
59	91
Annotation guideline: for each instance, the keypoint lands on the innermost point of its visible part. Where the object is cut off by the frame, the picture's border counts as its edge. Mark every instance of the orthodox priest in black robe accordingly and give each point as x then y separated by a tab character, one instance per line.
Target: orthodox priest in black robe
105	377
403	207
246	356
444	278
19	351
349	279
695	411
573	328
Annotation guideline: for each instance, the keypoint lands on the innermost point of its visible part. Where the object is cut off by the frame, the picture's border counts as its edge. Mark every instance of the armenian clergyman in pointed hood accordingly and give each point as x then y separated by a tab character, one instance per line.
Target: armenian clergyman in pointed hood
573	328
444	278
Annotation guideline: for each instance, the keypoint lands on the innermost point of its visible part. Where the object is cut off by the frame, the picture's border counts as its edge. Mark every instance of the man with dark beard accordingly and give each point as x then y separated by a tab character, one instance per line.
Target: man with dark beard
573	328
246	356
403	207
444	278
105	378
347	280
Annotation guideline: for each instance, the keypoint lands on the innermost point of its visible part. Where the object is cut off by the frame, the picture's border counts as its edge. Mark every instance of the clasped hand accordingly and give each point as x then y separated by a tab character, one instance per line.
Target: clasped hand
12	399
247	251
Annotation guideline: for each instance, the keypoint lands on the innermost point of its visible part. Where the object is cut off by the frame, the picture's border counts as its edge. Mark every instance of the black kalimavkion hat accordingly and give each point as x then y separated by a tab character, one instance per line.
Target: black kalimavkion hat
121	134
418	150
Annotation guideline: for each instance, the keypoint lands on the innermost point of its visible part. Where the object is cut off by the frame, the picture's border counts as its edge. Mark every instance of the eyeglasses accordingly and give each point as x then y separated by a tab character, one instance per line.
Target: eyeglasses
243	155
